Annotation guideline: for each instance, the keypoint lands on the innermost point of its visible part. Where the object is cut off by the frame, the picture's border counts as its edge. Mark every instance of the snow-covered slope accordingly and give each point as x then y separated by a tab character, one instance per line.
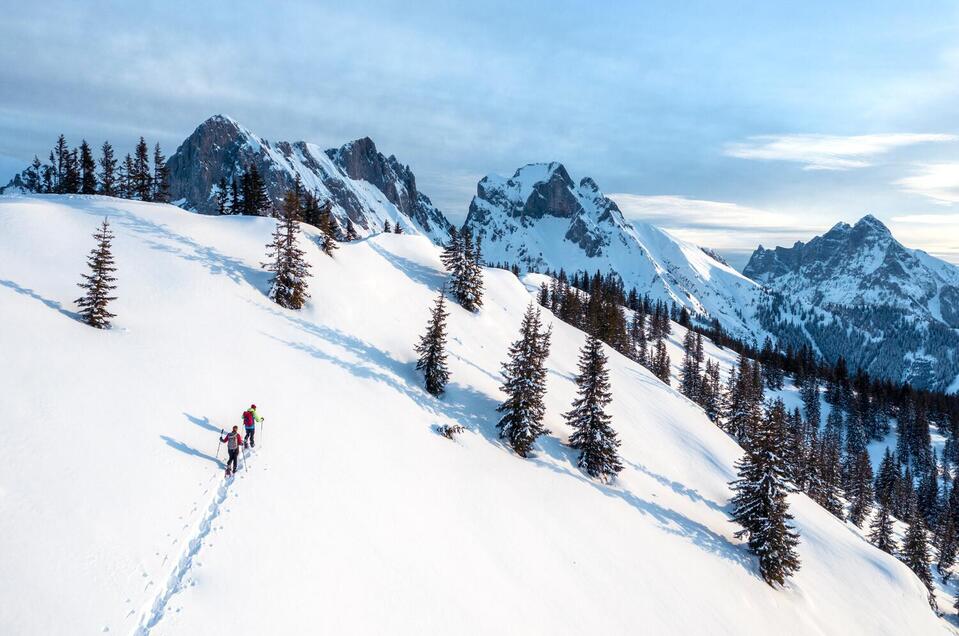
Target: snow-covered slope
363	184
857	292
353	515
540	218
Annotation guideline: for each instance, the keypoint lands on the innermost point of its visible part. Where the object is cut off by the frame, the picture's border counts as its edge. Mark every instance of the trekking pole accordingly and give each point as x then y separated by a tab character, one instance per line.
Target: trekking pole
218	445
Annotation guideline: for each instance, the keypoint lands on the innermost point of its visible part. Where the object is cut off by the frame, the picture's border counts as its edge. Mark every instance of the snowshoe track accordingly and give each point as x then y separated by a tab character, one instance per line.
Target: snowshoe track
177	579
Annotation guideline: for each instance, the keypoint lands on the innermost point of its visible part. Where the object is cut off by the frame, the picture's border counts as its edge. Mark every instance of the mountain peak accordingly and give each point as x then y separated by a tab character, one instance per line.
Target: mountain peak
869	222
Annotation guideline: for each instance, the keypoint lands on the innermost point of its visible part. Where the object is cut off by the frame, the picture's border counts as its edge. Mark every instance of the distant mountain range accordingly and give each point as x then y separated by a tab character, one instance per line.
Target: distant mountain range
854	291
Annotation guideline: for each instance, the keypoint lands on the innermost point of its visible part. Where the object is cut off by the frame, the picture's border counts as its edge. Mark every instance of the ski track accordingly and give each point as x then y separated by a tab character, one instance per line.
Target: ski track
177	579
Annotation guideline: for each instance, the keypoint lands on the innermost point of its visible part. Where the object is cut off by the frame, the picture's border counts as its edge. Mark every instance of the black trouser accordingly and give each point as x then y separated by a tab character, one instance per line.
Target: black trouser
249	436
234	453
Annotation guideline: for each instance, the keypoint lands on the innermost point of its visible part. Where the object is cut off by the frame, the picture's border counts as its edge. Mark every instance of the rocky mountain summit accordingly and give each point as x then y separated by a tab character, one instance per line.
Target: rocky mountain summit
364	185
858	292
540	218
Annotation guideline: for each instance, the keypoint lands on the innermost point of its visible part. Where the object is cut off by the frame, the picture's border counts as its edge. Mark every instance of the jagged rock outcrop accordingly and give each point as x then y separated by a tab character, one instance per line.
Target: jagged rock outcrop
364	185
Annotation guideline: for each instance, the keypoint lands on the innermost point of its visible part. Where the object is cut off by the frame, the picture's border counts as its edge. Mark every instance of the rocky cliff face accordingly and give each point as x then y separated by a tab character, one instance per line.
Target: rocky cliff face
363	185
540	218
856	291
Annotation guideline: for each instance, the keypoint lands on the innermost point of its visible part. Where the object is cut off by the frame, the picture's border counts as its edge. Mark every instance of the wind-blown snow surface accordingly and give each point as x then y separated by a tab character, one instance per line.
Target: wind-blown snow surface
353	515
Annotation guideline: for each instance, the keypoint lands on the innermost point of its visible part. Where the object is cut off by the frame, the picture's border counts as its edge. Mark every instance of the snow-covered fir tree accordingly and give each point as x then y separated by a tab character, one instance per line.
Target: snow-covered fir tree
432	348
525	385
351	234
460	259
829	465
593	435
760	505
880	531
660	363
100	281
288	262
689	375
915	549
328	229
387	228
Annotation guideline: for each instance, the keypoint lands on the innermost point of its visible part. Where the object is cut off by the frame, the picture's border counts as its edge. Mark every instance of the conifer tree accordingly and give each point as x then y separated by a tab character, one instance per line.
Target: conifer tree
236	197
88	170
760	505
161	180
452	251
689	375
128	178
915	549
258	200
830	465
886	479
661	362
289	266
432	349
387	228
525	385
351	234
810	397
327	224
638	336
946	547
880	531
141	180
593	435
471	278
108	170
100	281
222	197
711	390
59	159
859	490
398	229
71	178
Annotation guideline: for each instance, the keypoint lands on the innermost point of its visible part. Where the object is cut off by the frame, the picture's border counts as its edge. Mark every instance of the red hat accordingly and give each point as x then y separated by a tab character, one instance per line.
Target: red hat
253	406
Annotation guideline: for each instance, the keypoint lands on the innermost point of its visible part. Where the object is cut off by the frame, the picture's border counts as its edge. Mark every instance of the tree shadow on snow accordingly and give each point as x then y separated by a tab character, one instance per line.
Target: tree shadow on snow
52	304
669	520
414	271
189	450
159	237
477	412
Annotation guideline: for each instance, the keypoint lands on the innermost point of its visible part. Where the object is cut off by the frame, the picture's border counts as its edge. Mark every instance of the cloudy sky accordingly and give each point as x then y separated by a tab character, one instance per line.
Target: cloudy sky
731	124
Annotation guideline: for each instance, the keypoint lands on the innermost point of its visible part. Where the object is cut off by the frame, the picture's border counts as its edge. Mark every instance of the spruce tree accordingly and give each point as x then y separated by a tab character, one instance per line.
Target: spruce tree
880	531
886	479
351	234
59	159
88	170
161	180
946	547
432	349
830	465
222	197
859	490
469	282
108	170
142	181
236	197
593	436
398	229
327	225
100	281
760	505
128	178
71	178
525	385
811	404
689	375
452	251
915	549
387	228
259	203
661	364
289	266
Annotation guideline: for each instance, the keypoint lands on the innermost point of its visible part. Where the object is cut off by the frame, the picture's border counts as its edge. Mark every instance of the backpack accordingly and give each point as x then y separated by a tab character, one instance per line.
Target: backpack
247	419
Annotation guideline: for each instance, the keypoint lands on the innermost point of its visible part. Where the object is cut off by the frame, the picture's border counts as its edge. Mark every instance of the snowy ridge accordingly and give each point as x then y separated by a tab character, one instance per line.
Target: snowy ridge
364	508
364	186
539	218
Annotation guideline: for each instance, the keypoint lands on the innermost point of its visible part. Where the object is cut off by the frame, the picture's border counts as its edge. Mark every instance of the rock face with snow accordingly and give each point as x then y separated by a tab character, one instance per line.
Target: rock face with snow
860	293
364	185
541	218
